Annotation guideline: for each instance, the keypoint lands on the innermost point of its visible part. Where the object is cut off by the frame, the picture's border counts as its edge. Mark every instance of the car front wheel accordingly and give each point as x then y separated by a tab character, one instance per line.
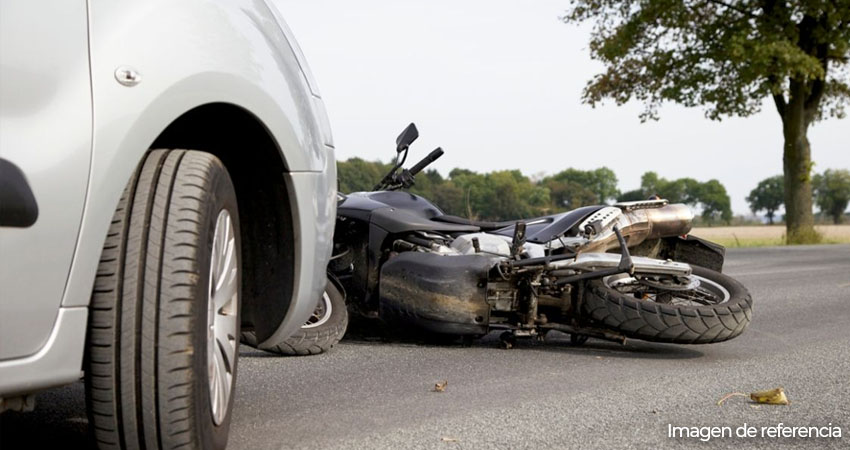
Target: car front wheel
164	318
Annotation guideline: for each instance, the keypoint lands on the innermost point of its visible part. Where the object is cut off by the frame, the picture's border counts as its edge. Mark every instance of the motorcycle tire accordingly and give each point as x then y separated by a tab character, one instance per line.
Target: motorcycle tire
321	332
679	324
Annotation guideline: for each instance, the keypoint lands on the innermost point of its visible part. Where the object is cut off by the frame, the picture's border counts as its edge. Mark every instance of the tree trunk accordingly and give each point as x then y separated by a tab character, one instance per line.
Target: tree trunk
770	217
797	164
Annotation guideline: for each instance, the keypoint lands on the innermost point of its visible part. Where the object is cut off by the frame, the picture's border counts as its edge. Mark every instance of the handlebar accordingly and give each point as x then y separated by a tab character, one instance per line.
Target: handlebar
433	156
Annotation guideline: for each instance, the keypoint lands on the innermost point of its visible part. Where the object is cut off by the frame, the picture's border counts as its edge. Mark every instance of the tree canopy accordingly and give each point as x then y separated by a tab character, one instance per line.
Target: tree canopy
582	187
832	190
728	56
768	196
725	55
357	175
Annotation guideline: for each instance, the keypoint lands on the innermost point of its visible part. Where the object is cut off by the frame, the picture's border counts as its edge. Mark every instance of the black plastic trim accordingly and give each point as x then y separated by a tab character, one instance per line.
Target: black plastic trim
18	207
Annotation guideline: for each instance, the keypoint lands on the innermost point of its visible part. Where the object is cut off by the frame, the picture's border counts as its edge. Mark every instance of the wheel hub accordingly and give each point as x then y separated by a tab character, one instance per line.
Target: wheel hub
222	316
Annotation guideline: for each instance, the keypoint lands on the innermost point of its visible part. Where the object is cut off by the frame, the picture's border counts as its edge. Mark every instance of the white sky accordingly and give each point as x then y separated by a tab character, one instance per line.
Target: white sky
497	84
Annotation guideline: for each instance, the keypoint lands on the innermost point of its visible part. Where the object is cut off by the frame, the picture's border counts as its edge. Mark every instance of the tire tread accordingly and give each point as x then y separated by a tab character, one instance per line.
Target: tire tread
139	377
681	324
309	341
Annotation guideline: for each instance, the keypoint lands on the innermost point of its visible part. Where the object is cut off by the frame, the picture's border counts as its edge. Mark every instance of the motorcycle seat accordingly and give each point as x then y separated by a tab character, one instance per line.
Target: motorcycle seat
483	225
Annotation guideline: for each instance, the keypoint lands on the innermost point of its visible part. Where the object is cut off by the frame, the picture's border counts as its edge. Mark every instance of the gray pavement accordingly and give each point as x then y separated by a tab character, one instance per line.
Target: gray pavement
372	394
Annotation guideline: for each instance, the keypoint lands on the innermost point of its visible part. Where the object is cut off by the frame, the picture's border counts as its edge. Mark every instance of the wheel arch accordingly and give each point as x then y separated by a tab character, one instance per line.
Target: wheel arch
256	165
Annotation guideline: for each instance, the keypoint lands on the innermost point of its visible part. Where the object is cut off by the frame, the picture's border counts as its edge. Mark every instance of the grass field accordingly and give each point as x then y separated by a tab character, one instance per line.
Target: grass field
767	235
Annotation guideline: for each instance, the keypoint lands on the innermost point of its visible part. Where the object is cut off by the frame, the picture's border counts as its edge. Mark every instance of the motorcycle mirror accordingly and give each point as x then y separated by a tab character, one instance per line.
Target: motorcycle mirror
406	138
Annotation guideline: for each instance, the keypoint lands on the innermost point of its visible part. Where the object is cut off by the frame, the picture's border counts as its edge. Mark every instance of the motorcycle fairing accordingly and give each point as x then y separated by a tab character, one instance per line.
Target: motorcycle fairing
441	294
398	212
402	220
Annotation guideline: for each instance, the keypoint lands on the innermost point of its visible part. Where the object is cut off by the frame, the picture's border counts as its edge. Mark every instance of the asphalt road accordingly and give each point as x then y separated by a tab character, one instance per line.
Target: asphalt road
373	394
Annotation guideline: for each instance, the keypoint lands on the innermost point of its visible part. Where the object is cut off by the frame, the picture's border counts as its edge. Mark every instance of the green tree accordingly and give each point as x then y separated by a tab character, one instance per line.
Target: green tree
499	195
832	190
682	190
356	175
632	196
573	187
508	194
728	56
768	195
472	188
569	195
674	191
711	195
450	198
715	202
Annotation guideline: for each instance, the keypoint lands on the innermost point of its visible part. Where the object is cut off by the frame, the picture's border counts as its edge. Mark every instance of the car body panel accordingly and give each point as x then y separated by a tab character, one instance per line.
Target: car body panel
58	362
45	130
188	54
236	72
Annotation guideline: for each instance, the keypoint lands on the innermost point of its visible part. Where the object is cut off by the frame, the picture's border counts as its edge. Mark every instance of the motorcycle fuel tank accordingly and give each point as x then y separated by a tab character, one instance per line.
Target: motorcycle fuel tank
360	205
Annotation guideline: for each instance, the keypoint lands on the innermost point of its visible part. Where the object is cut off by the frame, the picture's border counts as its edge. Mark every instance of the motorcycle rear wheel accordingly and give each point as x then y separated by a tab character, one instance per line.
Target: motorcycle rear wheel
323	329
699	321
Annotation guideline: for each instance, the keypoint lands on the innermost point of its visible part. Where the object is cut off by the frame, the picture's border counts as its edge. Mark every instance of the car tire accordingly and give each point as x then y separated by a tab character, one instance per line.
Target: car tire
321	332
165	287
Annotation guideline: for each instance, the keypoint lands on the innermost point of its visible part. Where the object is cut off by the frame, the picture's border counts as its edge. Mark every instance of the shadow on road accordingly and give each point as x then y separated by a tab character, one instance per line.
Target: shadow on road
631	350
555	342
59	422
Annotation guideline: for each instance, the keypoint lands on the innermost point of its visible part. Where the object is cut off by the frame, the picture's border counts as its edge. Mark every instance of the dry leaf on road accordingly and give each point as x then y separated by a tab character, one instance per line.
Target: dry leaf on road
769	397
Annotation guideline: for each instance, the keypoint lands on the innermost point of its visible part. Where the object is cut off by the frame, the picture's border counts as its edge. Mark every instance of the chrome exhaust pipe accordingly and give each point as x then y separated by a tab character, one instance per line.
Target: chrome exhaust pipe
638	225
671	220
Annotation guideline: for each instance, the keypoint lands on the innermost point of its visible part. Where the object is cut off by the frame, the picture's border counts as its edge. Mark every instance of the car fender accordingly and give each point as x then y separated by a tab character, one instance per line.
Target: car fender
229	52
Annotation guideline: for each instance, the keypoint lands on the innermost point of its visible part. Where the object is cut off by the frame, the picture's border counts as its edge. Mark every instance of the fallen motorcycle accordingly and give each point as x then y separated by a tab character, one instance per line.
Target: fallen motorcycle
611	272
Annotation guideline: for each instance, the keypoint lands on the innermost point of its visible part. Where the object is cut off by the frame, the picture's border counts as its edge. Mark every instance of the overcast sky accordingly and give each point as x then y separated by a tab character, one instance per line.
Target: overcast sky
498	83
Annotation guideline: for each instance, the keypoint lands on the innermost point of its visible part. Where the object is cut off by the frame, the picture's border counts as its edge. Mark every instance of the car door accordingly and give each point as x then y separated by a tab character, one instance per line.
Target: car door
45	131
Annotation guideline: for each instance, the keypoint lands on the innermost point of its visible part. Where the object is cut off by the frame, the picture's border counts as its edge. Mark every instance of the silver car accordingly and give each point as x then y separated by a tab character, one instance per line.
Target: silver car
167	181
